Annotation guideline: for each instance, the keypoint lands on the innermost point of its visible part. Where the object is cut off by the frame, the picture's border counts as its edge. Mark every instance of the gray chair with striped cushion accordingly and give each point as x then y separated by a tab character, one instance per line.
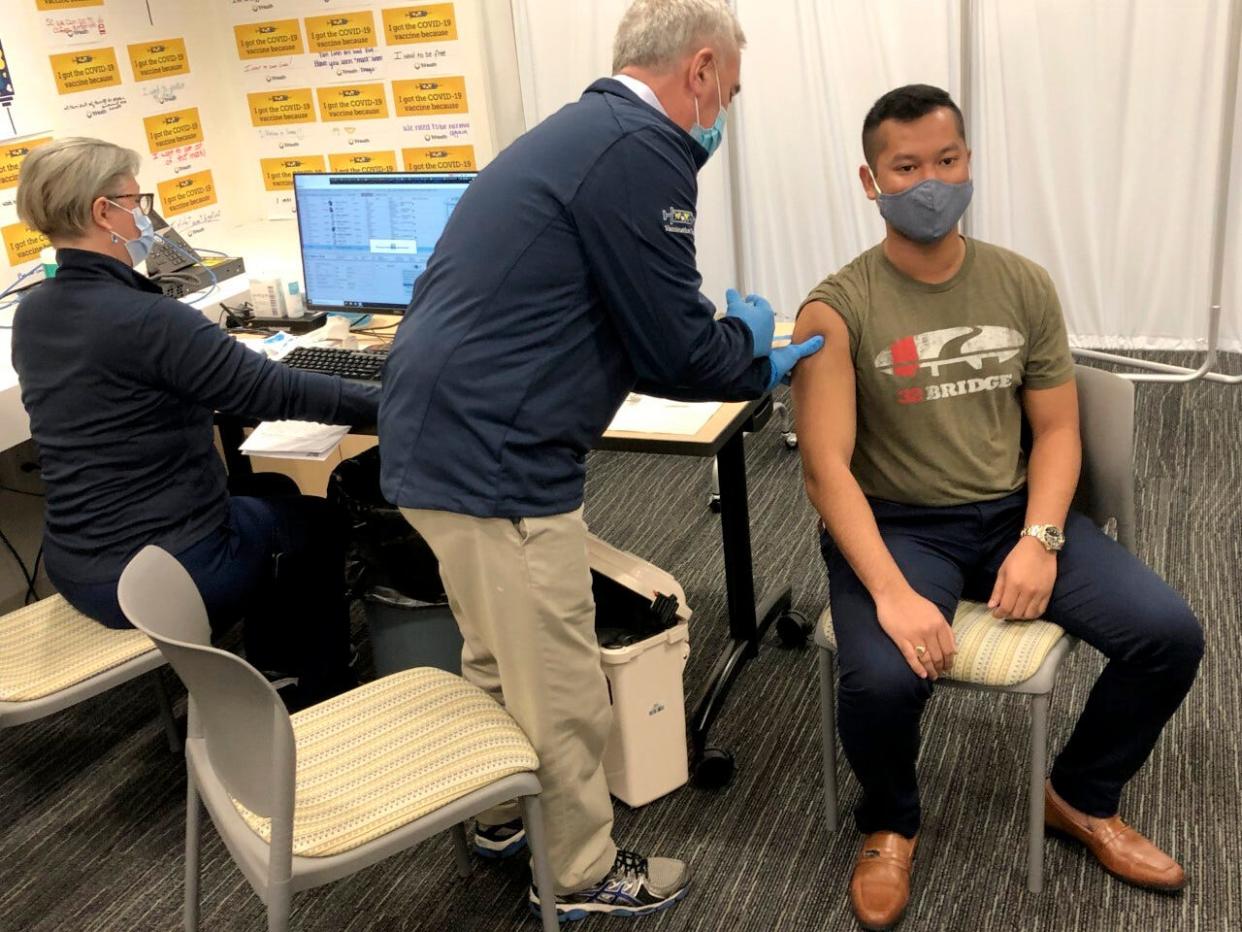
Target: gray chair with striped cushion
306	799
1022	656
53	657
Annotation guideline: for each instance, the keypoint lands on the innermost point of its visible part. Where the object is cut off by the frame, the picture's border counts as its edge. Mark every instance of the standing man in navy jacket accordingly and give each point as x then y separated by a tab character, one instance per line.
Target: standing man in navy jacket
565	278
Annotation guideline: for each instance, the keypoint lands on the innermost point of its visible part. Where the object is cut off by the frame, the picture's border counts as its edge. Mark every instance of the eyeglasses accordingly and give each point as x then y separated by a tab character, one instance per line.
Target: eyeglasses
145	201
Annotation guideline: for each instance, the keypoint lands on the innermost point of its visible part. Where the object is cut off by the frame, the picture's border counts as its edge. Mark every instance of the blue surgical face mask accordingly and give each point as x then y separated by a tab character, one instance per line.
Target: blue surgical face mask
710	137
139	248
928	211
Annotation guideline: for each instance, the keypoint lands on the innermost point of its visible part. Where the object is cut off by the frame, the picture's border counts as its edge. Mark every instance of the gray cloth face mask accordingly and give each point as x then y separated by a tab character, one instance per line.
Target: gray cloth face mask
928	211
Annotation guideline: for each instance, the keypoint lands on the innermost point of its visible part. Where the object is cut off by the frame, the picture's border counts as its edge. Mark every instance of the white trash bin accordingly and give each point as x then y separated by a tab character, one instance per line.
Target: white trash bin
646	756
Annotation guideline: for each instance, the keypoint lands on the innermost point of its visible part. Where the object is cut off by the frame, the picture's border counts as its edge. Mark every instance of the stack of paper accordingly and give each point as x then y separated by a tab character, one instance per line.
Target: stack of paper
646	415
294	440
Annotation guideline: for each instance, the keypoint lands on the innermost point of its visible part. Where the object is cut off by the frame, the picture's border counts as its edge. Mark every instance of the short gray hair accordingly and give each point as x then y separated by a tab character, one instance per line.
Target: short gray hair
61	180
656	33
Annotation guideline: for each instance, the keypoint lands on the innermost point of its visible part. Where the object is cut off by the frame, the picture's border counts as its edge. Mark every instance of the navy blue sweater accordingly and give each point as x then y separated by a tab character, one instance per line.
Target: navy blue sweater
120	384
564	279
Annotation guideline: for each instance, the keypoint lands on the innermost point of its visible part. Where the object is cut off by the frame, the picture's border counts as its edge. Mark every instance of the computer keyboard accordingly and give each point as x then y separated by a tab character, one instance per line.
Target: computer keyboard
360	365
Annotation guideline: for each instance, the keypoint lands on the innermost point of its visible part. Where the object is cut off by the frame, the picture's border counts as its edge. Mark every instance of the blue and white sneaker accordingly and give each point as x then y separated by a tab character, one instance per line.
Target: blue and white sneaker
636	886
499	841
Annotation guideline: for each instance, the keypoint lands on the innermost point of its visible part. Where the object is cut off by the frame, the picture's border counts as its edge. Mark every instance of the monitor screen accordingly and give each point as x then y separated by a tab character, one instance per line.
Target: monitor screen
365	239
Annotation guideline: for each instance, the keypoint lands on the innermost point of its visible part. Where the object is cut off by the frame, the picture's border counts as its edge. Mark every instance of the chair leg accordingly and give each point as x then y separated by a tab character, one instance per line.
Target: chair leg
532	816
828	713
461	850
171	732
1039	767
278	906
193	816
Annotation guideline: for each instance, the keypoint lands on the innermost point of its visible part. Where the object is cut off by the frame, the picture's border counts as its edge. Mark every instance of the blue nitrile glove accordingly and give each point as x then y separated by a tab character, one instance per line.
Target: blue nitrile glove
784	358
757	315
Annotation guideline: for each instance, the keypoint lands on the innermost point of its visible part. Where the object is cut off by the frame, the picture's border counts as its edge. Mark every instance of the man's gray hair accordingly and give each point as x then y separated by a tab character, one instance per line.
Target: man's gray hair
61	180
654	34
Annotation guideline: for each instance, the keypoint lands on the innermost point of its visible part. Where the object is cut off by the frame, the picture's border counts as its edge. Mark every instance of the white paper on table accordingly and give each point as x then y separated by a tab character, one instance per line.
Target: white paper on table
294	440
643	414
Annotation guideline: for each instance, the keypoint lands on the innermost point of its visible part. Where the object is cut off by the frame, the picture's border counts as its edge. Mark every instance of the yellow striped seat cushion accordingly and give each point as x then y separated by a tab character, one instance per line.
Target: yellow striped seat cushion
50	646
990	651
392	751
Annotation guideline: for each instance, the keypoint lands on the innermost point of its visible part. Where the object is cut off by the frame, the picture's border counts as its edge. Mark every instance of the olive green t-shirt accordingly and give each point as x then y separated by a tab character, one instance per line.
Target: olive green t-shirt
938	371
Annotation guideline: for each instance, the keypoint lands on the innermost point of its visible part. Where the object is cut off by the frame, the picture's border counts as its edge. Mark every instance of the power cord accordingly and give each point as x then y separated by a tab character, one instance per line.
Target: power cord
13	287
27	577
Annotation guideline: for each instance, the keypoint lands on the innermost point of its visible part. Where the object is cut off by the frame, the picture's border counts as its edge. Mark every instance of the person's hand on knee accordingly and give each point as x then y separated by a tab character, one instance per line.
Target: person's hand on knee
920	632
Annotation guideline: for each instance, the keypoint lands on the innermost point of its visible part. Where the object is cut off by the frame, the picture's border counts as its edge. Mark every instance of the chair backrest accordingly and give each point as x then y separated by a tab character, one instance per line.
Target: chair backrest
237	713
1106	484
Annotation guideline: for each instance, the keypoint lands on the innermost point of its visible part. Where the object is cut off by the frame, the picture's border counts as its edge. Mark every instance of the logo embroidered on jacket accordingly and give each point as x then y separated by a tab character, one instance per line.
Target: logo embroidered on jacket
677	220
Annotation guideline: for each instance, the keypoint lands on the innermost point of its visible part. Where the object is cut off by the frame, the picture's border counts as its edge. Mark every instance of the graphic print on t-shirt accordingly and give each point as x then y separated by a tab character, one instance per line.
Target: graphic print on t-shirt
946	352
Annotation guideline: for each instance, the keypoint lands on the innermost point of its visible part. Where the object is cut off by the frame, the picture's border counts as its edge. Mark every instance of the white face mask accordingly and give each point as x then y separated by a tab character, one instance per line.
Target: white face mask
139	248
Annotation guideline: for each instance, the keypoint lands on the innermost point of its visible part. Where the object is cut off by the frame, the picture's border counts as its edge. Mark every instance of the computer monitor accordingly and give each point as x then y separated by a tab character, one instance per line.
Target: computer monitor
365	238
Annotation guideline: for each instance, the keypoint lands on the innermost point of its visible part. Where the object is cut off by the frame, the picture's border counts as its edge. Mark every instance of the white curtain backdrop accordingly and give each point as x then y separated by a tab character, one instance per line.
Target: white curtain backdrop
1096	134
1094	125
1231	324
564	45
811	71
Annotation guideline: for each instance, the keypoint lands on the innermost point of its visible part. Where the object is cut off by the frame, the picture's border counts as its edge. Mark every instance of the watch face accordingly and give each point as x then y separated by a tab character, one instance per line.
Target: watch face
1054	538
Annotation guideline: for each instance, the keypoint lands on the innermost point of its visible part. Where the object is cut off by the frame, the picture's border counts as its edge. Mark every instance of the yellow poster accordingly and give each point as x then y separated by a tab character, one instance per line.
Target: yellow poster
22	243
177	195
431	22
363	161
262	40
439	159
355	102
429	96
170	130
291	105
278	172
160	59
11	157
85	70
66	4
340	31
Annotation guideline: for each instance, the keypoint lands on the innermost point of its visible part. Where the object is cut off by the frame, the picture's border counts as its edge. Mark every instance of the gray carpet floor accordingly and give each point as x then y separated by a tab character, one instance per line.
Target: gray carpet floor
92	803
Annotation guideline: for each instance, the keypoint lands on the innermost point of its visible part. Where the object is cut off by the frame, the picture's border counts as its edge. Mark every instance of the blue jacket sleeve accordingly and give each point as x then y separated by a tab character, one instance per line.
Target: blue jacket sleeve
196	360
634	215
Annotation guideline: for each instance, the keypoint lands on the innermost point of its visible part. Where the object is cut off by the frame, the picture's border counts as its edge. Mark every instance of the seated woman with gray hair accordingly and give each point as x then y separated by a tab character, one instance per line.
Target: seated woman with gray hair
121	384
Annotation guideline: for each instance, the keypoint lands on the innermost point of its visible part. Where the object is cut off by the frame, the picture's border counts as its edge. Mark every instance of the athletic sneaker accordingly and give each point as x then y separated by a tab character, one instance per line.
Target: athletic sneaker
635	886
499	841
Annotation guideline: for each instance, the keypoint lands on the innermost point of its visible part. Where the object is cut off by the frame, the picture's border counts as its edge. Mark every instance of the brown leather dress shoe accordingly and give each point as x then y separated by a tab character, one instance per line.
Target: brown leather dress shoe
880	887
1124	852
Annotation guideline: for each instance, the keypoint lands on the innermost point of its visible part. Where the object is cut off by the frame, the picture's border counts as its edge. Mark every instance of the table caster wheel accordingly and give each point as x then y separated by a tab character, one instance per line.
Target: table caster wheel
714	770
713	504
793	629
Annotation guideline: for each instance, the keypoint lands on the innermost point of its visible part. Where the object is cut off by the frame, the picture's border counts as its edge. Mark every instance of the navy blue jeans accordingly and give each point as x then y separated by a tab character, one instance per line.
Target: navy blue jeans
279	564
1103	595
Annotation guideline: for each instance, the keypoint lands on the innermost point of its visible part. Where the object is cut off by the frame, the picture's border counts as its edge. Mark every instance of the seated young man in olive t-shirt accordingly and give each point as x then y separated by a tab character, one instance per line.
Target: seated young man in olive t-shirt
910	424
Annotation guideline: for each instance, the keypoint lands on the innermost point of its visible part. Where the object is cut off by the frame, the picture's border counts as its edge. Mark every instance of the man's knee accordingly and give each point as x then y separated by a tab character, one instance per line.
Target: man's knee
884	688
1173	640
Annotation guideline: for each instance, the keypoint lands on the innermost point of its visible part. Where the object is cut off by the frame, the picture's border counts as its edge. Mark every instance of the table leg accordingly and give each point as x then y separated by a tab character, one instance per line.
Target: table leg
747	623
231	437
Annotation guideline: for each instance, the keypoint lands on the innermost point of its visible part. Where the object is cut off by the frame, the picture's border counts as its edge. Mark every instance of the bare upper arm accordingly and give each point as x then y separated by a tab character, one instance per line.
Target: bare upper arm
823	390
1051	408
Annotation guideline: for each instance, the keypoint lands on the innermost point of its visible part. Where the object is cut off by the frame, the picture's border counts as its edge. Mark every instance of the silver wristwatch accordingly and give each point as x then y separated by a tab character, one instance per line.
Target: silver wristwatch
1051	536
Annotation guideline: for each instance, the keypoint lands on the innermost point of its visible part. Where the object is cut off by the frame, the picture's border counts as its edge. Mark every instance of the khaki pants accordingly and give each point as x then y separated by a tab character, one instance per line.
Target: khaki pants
521	594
